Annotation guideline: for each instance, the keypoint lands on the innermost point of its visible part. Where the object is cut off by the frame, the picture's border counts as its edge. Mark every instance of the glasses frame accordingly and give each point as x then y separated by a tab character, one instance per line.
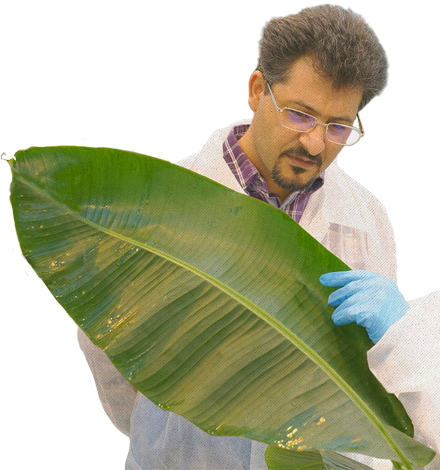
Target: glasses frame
280	110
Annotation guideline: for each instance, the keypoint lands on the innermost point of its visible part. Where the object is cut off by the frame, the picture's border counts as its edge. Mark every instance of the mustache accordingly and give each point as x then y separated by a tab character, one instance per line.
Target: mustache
302	152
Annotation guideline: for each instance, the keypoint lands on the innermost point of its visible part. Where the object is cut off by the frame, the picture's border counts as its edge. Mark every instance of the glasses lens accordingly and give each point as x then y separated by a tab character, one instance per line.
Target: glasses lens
297	120
340	134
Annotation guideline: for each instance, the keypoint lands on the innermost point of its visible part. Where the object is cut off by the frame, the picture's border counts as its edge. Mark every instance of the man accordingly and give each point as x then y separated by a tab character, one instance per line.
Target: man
316	71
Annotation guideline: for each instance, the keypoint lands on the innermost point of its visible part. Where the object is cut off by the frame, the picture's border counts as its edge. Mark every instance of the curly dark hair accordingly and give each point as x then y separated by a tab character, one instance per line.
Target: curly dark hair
340	42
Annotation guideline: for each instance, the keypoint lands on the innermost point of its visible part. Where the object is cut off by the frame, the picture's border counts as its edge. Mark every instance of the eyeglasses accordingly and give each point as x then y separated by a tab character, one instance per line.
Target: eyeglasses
303	122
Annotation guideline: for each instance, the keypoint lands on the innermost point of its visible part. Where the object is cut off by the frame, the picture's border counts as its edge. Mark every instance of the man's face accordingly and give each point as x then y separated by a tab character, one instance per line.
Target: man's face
290	160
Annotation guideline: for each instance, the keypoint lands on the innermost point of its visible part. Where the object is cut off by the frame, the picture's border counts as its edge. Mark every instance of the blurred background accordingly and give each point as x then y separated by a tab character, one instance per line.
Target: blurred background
158	79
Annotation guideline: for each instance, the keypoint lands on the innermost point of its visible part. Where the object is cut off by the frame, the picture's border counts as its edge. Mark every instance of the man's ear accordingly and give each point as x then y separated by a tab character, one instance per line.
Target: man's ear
256	89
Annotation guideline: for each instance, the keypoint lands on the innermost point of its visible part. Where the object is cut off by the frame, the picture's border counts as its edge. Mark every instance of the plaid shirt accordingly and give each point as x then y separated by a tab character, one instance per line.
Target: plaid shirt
255	186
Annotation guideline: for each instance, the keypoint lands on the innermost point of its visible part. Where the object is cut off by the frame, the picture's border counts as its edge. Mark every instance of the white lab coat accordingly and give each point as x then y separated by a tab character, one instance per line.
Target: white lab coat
350	222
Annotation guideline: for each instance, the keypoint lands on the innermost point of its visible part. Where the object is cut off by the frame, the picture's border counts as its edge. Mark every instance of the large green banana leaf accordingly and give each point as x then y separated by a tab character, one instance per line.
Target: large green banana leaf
206	300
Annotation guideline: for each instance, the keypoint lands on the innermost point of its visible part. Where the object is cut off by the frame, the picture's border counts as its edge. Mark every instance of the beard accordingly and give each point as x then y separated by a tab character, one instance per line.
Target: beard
296	184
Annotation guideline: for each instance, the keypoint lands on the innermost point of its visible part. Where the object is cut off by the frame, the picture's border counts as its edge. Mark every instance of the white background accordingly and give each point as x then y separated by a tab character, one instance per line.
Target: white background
48	403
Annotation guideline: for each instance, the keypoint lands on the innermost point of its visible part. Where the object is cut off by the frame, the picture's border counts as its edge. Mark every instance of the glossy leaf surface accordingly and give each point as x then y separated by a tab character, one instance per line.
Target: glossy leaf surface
206	300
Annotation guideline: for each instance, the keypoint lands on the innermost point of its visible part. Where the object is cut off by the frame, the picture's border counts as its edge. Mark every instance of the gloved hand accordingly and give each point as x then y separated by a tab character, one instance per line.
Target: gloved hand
366	298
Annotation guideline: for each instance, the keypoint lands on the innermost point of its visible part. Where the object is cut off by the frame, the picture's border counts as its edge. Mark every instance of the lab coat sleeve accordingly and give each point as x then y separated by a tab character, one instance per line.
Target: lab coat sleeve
117	395
381	243
389	247
407	363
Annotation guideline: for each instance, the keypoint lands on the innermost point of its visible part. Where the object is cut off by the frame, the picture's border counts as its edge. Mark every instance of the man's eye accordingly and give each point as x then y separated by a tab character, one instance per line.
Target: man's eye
341	129
299	117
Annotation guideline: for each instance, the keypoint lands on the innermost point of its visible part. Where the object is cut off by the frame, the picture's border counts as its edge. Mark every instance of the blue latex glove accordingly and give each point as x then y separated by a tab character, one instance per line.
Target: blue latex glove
366	298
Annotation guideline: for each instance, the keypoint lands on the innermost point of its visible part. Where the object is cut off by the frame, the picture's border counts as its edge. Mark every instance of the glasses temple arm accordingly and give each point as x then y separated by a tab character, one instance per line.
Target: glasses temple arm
360	124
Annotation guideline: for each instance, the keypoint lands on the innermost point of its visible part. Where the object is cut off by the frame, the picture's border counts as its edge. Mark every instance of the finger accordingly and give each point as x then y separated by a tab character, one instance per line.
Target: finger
349	312
340	295
342	317
341	278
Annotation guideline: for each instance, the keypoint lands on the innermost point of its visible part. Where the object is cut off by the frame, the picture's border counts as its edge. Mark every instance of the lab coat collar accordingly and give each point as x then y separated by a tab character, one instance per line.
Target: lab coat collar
339	201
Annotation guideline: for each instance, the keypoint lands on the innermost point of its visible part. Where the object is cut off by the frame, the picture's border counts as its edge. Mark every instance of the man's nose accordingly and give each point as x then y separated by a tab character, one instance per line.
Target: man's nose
314	140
